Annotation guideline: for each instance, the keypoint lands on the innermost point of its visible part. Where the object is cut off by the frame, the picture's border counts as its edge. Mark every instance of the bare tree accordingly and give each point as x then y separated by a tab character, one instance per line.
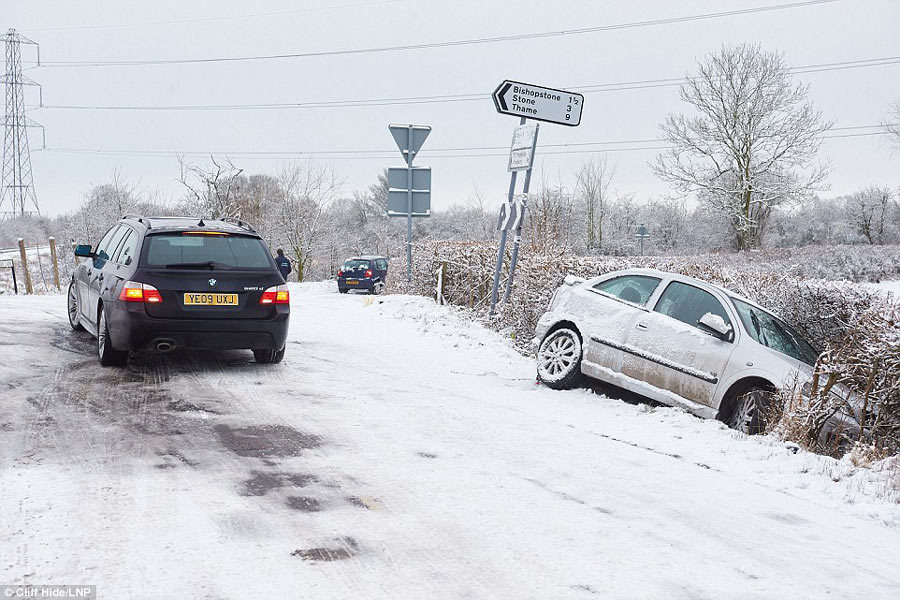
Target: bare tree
892	123
549	217
307	189
591	187
211	189
750	147
867	210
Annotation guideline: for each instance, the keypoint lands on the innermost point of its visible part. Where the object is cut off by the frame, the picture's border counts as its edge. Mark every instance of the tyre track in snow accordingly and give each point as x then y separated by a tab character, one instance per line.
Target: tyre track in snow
434	388
422	481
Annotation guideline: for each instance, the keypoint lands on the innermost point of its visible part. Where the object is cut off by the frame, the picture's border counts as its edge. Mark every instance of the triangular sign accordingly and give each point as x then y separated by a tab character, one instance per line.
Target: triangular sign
402	137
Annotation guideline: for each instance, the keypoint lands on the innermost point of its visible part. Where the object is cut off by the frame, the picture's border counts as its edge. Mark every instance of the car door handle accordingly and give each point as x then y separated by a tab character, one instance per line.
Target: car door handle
641	326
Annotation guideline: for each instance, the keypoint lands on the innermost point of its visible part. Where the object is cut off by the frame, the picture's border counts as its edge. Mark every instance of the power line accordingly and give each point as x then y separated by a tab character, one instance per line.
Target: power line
449	43
469	97
220	18
433	153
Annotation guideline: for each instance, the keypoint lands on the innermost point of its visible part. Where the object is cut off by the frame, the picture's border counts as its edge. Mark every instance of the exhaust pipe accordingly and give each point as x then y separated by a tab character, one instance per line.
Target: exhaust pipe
165	346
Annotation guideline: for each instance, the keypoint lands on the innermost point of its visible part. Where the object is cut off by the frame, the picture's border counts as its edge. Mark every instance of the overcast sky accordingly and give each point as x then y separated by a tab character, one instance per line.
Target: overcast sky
143	143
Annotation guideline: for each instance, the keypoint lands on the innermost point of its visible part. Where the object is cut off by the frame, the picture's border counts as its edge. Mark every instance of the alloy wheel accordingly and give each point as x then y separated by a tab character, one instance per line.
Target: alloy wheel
558	356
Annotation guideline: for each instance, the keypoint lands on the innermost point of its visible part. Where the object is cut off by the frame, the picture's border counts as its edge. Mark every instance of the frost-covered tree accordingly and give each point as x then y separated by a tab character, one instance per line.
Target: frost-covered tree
591	193
892	123
750	145
301	223
867	211
210	189
548	218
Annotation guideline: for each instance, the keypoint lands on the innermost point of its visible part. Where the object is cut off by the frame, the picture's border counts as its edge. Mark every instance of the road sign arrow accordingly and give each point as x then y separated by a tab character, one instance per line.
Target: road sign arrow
498	95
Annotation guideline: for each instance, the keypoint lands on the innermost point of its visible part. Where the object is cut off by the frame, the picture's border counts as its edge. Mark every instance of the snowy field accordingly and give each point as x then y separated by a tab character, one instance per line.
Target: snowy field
400	452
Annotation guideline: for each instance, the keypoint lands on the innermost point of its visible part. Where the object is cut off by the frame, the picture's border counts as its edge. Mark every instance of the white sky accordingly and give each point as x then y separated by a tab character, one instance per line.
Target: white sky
116	30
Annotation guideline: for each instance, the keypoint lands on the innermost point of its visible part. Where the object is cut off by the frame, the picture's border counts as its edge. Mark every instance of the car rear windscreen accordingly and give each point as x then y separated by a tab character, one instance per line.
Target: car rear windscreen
235	251
354	264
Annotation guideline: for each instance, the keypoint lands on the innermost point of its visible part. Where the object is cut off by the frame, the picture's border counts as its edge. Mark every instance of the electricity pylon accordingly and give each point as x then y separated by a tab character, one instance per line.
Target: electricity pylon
17	189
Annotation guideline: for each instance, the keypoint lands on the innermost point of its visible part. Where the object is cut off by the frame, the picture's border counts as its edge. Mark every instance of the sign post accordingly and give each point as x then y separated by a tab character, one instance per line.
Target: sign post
642	233
409	189
526	101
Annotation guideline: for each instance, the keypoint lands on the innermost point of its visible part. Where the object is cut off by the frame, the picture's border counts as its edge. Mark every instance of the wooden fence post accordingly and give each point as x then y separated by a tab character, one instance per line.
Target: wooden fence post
27	272
55	263
442	282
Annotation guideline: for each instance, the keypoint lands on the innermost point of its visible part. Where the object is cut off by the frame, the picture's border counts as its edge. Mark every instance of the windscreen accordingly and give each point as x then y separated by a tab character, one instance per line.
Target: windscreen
354	264
774	333
189	250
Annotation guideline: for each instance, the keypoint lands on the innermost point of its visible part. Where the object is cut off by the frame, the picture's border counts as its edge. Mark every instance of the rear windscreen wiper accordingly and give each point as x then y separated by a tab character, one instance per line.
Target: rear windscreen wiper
197	265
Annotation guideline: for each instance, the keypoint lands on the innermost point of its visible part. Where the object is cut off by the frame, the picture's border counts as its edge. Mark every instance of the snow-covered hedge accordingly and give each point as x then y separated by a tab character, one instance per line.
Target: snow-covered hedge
855	326
864	361
789	282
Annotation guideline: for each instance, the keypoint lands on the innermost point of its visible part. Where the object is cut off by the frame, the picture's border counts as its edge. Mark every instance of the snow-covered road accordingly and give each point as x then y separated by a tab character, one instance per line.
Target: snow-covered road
399	452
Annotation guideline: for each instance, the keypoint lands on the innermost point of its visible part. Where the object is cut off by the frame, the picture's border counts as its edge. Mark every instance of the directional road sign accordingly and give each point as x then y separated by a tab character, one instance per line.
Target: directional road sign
408	141
521	152
538	103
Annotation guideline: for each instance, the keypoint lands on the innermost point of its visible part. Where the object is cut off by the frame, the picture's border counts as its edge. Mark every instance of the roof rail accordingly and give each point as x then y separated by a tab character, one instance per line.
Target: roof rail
240	223
140	219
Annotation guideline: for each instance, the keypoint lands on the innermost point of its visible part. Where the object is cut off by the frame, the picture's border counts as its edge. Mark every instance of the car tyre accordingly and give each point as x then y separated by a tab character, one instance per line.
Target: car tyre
109	356
268	357
72	308
343	291
376	289
559	359
748	410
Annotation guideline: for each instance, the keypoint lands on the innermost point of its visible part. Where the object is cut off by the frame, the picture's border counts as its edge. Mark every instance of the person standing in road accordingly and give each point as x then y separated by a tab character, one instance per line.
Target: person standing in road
284	265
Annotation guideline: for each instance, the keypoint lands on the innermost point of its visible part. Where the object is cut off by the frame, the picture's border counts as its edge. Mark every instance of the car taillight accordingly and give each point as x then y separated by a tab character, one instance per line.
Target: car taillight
133	291
340	273
368	272
277	294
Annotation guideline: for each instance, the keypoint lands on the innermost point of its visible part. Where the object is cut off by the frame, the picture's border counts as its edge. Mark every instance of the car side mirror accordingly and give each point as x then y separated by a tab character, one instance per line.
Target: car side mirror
84	250
716	325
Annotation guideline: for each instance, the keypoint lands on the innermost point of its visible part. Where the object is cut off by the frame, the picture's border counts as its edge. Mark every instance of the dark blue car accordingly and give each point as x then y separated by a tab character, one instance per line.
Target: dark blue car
363	273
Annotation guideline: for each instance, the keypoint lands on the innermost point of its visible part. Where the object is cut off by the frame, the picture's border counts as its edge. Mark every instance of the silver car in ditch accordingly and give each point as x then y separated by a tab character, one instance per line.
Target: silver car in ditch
673	339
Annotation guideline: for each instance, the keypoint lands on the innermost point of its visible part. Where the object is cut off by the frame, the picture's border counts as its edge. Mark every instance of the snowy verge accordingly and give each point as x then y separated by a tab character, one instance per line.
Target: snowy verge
871	490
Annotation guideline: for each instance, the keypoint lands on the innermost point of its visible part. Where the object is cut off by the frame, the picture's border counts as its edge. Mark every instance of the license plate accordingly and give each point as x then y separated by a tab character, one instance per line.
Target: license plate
351	282
211	299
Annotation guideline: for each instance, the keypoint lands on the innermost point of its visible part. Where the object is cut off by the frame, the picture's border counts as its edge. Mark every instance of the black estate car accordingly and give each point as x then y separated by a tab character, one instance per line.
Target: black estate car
161	283
363	273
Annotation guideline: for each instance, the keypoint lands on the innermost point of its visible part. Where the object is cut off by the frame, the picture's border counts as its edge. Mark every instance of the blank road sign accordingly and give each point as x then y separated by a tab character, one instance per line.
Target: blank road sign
398	199
421	178
402	137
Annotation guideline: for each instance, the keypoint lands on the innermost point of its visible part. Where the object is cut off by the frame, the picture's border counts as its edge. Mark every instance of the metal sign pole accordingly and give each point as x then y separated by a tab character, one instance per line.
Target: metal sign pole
409	208
518	239
641	234
502	249
403	199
